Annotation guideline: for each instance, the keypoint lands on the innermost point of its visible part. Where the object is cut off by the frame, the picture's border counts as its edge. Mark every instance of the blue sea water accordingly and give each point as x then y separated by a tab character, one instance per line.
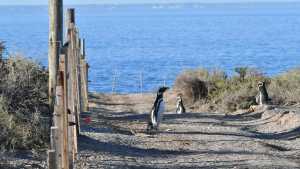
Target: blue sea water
156	42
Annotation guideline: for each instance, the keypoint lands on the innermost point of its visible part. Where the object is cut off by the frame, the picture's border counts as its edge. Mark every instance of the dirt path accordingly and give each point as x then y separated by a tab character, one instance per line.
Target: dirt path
116	137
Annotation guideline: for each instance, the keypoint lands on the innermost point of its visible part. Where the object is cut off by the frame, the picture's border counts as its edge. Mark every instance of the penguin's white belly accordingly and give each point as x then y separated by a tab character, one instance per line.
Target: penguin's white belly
260	99
178	108
153	119
161	110
157	117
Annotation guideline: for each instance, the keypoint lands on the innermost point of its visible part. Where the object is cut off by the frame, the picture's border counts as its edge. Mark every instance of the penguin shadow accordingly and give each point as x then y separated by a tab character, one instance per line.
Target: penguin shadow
215	116
190	115
206	119
133	116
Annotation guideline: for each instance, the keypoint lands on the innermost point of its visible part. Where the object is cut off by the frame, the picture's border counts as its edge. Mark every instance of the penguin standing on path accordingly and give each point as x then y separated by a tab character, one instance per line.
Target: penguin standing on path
157	110
180	109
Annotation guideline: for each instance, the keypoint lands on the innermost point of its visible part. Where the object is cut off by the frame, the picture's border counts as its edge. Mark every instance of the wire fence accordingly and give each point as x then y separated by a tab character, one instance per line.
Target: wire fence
122	83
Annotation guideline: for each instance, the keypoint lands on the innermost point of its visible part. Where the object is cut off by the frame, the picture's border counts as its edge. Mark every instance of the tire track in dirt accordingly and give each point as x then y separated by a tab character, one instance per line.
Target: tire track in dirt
116	138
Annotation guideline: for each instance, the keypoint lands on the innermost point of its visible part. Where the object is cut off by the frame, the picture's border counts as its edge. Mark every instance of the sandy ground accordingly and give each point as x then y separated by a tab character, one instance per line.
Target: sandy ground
22	159
116	137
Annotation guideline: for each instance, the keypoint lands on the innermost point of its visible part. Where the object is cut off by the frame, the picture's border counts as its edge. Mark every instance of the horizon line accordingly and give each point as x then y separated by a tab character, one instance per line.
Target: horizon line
160	3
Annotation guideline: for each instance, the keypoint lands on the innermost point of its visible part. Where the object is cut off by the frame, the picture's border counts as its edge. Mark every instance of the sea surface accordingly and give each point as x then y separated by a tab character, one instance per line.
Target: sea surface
136	48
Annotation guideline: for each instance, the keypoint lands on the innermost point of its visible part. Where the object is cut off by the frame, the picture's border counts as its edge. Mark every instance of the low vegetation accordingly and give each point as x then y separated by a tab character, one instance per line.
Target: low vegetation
24	113
230	93
2	48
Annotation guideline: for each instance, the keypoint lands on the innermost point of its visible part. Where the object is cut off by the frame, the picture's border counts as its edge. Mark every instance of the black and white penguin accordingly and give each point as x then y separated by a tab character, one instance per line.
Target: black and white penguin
180	109
262	97
157	110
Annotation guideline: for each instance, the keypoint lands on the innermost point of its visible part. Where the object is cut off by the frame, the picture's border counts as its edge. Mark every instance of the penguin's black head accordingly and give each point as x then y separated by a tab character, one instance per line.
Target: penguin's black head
161	90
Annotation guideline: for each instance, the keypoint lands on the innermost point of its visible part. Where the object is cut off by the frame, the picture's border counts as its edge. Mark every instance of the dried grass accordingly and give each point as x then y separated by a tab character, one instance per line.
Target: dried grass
24	111
237	92
191	87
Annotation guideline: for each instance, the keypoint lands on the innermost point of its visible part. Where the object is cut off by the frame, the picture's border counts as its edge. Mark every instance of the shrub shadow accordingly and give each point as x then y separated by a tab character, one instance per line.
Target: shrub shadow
87	143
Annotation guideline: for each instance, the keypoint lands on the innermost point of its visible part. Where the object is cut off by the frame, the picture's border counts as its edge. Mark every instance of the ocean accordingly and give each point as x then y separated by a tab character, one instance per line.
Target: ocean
136	48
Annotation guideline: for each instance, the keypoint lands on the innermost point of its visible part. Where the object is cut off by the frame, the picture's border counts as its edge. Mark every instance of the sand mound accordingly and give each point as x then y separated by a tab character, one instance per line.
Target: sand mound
279	120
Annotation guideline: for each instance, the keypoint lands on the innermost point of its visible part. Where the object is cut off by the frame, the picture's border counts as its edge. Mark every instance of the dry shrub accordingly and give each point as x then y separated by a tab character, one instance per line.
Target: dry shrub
2	48
241	98
23	93
285	88
226	93
200	84
241	91
191	86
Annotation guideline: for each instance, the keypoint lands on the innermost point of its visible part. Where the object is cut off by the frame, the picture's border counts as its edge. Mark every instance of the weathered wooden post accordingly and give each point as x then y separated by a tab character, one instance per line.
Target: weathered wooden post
55	43
66	78
51	161
74	67
61	140
65	125
83	48
70	17
141	82
114	83
78	72
84	85
84	77
71	85
54	152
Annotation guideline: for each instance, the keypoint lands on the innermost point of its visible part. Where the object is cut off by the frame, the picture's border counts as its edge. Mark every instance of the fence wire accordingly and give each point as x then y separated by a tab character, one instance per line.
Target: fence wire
139	82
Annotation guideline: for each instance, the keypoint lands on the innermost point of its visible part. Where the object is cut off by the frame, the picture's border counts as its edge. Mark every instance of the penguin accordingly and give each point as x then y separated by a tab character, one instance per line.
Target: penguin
157	110
180	109
262	97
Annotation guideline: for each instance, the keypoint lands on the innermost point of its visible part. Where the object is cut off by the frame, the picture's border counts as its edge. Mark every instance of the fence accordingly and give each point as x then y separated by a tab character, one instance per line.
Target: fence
71	98
118	82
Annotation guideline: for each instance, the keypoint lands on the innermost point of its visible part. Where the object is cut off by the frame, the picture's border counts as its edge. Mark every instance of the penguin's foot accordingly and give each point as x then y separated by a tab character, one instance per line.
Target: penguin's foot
149	128
152	129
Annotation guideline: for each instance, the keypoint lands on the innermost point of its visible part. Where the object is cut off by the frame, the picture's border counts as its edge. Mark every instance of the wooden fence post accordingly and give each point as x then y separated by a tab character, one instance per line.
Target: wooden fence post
70	92
54	152
51	161
84	85
65	122
83	48
141	82
114	82
78	72
74	67
70	17
70	107
59	138
84	77
55	42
